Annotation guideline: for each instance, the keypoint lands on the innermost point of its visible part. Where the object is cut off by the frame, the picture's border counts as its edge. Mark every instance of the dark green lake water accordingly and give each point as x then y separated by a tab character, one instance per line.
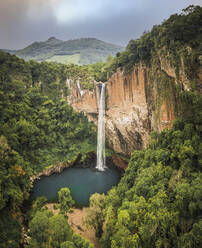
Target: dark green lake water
82	183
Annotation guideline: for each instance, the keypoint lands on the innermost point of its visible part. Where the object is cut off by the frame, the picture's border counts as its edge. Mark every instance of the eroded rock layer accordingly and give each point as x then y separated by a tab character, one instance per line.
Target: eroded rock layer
137	103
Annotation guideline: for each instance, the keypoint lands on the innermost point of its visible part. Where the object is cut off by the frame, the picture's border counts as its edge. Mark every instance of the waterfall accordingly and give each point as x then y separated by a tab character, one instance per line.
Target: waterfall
101	132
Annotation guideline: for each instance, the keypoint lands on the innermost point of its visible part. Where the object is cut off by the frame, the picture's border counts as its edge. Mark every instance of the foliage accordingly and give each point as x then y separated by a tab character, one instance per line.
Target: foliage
37	128
174	38
79	242
53	231
95	213
67	244
10	229
14	182
37	205
37	123
158	202
79	51
65	200
48	230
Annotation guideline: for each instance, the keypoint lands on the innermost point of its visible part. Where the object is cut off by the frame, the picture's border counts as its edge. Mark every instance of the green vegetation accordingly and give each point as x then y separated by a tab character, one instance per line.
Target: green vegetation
81	51
66	59
96	213
158	202
176	38
48	230
37	129
37	123
53	231
65	200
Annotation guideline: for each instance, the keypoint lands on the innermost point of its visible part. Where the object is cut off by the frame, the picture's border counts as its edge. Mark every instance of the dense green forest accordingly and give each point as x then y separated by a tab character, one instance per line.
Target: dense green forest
37	128
52	230
177	37
158	202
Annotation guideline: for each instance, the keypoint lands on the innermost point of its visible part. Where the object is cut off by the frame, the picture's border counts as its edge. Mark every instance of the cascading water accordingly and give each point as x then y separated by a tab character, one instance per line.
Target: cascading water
101	161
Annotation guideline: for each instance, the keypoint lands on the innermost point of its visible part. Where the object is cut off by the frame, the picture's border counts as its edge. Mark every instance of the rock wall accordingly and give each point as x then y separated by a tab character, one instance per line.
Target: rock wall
127	116
134	106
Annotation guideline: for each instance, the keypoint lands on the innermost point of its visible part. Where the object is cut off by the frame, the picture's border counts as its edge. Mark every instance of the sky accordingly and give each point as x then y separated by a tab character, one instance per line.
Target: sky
116	21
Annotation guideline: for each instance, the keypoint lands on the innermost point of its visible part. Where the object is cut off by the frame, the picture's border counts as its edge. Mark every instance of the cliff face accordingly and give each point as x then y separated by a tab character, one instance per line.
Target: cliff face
136	104
127	117
84	100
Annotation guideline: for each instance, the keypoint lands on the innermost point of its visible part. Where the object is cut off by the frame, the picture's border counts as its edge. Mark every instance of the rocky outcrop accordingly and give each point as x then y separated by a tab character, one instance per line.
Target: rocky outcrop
127	122
58	167
84	100
119	162
87	161
137	103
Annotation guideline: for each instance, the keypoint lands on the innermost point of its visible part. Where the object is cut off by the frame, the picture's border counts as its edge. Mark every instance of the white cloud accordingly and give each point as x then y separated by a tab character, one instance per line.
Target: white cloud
69	11
41	8
117	21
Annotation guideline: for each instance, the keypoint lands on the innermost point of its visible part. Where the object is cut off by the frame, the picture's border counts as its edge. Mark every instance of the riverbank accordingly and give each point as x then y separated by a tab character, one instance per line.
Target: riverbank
113	161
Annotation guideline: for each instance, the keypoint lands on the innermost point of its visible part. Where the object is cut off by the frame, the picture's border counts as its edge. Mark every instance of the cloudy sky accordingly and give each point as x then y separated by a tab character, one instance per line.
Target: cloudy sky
115	21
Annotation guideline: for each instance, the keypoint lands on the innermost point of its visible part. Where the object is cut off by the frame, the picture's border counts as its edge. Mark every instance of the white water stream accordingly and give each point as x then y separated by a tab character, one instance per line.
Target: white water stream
101	160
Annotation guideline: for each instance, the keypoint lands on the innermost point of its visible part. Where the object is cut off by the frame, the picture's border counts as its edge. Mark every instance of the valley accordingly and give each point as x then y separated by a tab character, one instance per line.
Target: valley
103	153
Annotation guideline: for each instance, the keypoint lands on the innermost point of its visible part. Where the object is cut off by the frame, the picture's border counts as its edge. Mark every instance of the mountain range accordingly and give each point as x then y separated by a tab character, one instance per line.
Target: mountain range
79	51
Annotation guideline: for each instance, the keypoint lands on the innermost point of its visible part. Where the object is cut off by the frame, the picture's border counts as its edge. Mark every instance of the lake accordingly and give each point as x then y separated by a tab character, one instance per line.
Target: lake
81	181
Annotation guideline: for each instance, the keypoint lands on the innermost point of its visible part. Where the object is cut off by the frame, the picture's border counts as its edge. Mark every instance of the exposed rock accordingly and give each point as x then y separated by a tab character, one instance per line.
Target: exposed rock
88	161
129	119
119	162
136	103
58	167
127	123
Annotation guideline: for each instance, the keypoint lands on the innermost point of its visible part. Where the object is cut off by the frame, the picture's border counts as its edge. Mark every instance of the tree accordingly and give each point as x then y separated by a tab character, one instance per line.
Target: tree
37	205
59	230
48	230
79	242
65	200
67	244
39	228
96	213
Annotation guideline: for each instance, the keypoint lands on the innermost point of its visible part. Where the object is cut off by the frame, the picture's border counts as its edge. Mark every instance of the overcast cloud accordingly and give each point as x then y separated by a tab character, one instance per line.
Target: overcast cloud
116	21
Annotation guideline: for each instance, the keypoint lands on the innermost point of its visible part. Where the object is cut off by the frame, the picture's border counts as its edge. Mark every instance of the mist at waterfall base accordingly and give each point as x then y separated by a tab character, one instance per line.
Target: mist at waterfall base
82	183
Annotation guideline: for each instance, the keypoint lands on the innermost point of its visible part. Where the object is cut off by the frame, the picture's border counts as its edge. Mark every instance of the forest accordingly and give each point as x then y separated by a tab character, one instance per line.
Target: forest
158	201
37	129
171	38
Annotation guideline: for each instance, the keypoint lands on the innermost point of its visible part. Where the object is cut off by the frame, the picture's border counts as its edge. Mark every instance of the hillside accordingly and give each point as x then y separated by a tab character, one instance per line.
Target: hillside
147	80
79	51
154	115
37	129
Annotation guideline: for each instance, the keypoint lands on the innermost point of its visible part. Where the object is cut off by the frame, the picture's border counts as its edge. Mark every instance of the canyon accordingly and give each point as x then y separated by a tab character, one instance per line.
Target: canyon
136	103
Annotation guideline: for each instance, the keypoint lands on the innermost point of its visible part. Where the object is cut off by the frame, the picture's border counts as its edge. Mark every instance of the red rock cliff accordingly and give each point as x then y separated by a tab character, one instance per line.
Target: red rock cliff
134	106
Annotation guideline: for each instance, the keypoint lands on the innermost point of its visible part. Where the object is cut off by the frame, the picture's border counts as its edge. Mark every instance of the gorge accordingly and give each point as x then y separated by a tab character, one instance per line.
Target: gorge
50	115
83	182
135	105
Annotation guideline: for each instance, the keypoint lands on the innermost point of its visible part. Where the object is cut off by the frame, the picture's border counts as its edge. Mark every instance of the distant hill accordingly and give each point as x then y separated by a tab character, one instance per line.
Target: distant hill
78	51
